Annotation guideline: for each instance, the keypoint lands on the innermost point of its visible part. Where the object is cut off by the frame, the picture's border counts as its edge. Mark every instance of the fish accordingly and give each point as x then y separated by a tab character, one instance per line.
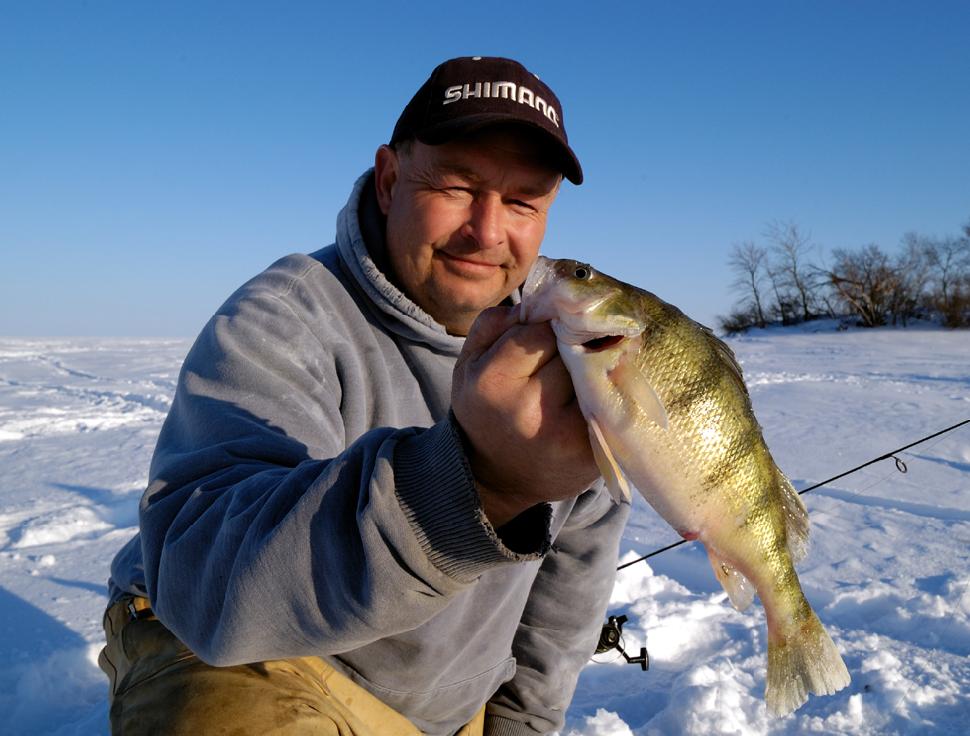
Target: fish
669	413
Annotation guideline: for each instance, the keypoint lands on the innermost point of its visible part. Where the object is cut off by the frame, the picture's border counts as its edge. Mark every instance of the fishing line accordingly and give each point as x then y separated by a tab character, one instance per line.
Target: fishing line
900	466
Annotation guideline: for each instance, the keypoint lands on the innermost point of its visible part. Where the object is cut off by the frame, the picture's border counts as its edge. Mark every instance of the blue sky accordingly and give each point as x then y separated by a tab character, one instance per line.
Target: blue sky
155	156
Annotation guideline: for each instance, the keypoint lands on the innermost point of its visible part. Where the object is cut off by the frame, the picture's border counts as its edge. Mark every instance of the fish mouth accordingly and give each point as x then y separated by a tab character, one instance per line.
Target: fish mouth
598	344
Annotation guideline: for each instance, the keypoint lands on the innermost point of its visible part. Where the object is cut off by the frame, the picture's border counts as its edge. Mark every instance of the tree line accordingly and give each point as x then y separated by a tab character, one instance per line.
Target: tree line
783	280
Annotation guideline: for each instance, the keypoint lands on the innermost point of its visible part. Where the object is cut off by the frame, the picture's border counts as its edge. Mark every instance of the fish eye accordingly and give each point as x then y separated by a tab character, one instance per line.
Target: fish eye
583	272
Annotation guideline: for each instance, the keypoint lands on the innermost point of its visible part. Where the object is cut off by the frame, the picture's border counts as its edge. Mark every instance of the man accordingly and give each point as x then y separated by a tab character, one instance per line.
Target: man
359	520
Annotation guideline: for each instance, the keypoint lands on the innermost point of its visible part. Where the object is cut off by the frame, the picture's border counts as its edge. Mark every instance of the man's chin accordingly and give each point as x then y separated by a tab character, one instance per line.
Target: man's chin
464	304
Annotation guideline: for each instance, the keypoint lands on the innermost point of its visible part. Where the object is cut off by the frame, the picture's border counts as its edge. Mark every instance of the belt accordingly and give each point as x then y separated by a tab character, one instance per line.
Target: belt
125	610
138	608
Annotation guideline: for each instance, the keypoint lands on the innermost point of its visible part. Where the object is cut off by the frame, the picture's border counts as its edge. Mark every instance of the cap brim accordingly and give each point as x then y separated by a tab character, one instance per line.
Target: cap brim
448	130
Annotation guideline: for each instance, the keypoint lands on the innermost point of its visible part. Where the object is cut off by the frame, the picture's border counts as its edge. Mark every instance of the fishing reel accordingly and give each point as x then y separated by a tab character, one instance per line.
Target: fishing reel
611	638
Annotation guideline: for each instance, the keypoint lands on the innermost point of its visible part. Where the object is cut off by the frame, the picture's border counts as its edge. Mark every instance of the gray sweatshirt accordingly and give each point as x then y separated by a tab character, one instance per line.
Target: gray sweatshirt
309	496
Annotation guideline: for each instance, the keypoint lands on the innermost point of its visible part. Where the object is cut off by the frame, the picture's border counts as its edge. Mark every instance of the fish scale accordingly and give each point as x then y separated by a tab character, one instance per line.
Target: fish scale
669	413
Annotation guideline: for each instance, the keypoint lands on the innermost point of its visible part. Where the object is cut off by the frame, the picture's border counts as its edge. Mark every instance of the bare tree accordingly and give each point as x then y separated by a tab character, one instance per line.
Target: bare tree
785	280
792	272
911	275
865	281
826	300
949	264
748	260
784	305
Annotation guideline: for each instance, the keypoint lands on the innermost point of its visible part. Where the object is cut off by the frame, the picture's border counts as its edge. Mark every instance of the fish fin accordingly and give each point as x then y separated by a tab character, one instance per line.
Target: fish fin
796	519
609	468
637	389
727	355
801	660
737	586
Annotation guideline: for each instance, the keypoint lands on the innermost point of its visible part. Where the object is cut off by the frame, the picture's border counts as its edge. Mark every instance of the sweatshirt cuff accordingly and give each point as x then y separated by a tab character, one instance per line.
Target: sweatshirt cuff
498	726
436	489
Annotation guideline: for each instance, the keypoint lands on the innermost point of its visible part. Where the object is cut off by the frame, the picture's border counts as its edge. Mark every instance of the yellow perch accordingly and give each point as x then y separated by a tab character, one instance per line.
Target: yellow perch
668	409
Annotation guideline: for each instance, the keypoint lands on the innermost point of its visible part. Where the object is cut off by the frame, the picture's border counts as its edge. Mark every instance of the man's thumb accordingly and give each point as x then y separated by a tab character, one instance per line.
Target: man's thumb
489	326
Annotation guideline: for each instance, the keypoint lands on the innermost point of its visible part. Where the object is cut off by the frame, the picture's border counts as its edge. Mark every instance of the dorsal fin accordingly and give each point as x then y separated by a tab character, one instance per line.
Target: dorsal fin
796	518
726	354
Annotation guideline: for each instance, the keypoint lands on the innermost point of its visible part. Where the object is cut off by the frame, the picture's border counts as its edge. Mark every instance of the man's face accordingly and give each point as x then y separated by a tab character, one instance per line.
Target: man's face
464	220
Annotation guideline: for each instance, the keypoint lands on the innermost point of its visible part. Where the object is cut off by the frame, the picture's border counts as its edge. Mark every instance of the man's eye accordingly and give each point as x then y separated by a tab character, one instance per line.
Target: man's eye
522	205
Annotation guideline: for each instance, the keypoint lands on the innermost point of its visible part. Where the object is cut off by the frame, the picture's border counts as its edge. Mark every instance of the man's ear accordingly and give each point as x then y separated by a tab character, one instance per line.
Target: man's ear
386	169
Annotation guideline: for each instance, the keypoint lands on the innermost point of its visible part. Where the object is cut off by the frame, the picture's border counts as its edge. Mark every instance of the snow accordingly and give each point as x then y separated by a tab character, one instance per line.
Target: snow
888	569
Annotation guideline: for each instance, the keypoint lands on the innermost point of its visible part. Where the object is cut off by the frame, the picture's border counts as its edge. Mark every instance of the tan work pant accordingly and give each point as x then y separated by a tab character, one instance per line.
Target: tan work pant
158	686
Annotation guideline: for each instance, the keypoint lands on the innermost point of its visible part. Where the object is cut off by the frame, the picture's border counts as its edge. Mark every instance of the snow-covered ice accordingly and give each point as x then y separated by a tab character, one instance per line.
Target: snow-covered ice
888	570
78	422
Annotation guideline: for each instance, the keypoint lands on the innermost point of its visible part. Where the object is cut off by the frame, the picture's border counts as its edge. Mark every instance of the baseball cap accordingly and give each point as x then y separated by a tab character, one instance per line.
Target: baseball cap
471	92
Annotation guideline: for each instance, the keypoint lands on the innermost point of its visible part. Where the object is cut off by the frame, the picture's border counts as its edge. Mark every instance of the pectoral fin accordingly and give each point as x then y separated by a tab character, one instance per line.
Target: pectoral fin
609	468
637	388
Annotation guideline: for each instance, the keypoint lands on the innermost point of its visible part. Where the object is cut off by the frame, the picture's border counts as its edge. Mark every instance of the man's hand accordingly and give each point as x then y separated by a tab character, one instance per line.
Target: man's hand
527	439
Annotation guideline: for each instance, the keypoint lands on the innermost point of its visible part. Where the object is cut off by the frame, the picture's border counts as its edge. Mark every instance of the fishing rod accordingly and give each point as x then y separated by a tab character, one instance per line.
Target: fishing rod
900	465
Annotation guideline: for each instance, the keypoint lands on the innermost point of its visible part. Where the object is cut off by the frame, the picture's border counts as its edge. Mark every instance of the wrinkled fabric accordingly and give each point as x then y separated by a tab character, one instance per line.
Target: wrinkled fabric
158	686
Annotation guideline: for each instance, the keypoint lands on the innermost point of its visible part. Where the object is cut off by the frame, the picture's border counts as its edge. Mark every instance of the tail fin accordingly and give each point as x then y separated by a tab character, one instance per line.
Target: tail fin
802	659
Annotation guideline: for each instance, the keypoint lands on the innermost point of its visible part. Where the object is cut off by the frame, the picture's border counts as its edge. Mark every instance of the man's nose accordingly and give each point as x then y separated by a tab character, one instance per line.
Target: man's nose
486	222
